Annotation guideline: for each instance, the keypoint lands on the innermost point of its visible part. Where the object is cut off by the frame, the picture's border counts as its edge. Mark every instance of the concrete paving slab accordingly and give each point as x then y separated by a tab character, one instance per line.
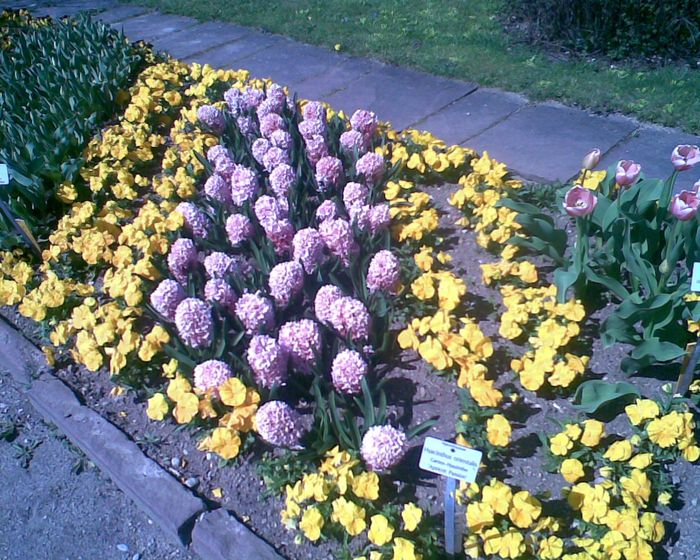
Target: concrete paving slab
199	38
229	55
290	62
218	535
347	71
652	147
399	95
149	26
548	141
472	115
120	13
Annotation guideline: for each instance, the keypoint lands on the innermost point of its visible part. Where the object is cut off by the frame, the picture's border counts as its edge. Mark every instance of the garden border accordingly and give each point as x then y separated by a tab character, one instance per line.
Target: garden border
183	517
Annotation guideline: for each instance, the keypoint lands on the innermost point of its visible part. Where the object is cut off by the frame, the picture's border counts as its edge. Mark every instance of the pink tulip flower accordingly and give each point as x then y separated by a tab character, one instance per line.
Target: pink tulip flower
627	172
579	202
684	206
685	156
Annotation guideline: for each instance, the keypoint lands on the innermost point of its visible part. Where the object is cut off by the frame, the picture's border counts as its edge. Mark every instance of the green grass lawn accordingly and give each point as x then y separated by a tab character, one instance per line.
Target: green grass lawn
463	39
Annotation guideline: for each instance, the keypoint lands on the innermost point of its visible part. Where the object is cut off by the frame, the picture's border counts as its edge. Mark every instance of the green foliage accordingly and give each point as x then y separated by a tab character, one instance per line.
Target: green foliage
58	84
625	28
595	394
633	249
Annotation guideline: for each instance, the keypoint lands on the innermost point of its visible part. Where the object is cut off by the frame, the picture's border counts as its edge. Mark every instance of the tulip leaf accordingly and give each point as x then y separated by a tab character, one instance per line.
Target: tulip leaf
595	394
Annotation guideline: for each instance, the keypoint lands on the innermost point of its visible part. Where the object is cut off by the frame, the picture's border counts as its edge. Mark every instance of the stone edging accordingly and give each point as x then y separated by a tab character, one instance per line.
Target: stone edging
183	517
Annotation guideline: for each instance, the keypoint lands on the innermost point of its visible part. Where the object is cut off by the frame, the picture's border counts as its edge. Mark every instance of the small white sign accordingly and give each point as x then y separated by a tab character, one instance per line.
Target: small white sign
450	460
695	281
4	175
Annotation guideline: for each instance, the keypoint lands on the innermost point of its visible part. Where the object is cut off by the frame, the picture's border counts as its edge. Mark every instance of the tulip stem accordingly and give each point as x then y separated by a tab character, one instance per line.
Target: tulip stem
668	253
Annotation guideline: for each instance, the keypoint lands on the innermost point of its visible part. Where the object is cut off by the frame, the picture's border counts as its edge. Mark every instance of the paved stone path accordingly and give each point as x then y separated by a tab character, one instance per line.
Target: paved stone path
55	505
540	141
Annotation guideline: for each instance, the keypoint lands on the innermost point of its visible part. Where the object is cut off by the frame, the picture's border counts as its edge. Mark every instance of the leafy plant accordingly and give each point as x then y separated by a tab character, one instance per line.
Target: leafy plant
59	83
595	394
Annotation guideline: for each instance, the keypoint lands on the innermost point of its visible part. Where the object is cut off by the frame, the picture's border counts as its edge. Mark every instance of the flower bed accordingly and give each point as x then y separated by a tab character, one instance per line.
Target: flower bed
263	272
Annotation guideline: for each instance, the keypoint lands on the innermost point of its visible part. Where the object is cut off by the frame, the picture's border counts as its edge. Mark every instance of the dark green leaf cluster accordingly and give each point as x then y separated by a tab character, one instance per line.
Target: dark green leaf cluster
58	84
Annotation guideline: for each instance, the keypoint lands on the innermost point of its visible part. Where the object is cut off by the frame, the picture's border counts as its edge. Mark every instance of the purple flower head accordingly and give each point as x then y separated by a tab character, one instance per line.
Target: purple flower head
371	166
225	166
217	152
255	312
247	125
379	218
209	375
281	234
238	229
315	148
244	185
350	318
314	110
282	179
275	94
194	323
579	201
347	372
281	139
218	264
166	297
384	272
279	424
338	237
327	210
685	156
355	194
329	172
364	122
275	156
182	258
286	281
326	298
259	149
196	221
269	107
269	210
212	117
253	97
268	360
353	141
234	100
311	128
307	248
270	123
383	447
302	341
217	290
217	187
359	216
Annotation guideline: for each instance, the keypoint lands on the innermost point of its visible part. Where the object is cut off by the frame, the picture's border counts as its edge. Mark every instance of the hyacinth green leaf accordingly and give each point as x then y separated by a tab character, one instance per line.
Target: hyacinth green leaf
595	394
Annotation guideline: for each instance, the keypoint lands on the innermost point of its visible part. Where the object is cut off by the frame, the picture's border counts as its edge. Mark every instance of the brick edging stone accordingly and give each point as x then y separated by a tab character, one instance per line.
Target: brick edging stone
183	517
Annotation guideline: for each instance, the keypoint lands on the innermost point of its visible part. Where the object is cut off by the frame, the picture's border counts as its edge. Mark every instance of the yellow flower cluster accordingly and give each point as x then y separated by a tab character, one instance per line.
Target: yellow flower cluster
421	154
507	523
674	431
477	199
553	325
232	403
15	274
340	494
412	216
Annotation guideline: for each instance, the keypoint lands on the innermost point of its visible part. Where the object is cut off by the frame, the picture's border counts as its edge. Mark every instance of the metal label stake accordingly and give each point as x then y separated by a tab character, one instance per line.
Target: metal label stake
450	487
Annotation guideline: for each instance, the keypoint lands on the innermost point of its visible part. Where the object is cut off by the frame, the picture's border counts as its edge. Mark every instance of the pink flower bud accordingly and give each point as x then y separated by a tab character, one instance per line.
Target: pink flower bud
684	206
591	160
685	156
627	172
579	201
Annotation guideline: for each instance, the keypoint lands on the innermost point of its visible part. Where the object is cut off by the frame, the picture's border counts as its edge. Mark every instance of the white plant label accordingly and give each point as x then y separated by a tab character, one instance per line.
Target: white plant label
695	281
449	459
4	175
